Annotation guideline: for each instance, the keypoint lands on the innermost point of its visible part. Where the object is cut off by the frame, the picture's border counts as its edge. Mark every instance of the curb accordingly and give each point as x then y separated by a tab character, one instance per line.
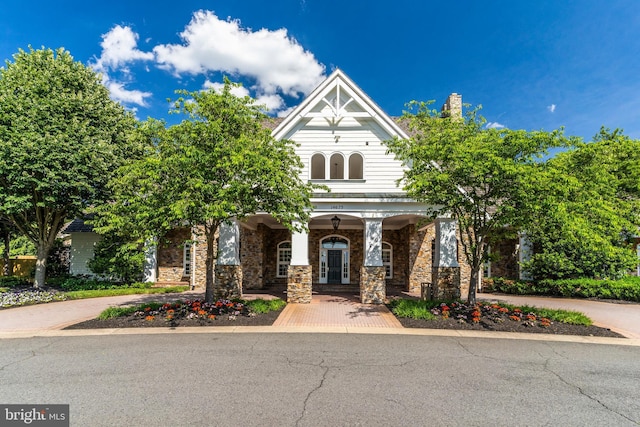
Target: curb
322	330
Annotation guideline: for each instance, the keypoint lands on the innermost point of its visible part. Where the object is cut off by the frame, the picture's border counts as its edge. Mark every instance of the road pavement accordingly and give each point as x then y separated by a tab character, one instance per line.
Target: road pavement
278	379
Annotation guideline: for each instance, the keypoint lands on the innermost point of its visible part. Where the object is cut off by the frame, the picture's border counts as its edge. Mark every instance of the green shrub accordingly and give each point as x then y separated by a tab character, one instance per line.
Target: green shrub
86	283
627	288
13	281
265	306
413	309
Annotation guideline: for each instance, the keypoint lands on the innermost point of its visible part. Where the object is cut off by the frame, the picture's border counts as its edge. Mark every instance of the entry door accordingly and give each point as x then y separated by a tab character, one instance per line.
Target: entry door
334	264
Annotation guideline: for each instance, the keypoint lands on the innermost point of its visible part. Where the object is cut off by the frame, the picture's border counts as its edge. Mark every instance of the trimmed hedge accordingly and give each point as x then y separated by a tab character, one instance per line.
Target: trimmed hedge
627	288
81	283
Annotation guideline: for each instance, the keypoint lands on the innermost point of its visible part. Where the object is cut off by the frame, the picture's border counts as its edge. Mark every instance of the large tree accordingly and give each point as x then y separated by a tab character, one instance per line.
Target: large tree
587	206
476	175
61	138
219	164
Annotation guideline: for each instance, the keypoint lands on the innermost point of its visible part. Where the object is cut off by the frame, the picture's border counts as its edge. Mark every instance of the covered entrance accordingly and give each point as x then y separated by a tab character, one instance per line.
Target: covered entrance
334	260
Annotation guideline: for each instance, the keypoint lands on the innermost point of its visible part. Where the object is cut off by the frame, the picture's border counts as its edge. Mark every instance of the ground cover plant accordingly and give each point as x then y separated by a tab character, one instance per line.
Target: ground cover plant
197	312
492	316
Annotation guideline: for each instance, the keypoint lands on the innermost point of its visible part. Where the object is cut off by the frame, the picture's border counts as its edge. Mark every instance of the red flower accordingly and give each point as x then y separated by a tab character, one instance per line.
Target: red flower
149	318
514	318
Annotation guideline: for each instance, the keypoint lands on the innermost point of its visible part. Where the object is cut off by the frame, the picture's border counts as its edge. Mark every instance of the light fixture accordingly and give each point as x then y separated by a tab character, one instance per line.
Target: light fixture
335	221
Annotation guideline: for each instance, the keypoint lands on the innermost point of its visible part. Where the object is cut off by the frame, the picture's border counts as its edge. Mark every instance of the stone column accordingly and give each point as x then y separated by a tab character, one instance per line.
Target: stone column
228	277
199	260
525	252
299	279
372	282
150	269
446	270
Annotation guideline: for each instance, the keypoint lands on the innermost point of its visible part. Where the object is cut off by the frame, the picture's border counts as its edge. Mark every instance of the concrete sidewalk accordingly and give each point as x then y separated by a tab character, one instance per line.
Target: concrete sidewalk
623	318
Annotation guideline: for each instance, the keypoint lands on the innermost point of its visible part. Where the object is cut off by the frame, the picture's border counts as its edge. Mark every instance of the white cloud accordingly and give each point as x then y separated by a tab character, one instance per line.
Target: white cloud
494	125
119	48
119	93
552	108
276	61
285	113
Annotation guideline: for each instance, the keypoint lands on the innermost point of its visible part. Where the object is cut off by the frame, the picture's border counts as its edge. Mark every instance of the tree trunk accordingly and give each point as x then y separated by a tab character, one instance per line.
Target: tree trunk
209	266
475	273
5	254
41	265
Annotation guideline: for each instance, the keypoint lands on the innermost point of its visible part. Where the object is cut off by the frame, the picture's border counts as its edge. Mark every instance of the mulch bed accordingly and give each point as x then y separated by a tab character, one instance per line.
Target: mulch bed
510	326
133	321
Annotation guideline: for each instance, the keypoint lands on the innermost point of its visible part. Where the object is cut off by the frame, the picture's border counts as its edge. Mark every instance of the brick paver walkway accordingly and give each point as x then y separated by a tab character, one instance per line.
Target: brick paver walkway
332	310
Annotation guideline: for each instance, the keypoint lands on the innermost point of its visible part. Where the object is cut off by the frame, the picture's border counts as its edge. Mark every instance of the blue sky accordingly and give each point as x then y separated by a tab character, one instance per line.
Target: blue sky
531	64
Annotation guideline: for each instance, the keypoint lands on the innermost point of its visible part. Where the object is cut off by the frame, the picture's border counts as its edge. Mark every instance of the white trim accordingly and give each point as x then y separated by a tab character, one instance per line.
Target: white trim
283	262
187	259
323	260
389	272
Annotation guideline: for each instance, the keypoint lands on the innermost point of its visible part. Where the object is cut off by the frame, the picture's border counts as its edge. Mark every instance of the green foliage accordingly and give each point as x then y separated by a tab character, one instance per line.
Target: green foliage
13	282
21	245
477	175
61	138
413	309
83	283
113	312
98	293
265	306
583	209
117	258
627	288
218	164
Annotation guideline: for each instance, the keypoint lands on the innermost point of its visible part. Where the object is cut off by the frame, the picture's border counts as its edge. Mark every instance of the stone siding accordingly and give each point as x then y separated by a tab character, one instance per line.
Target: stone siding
228	281
372	285
299	284
171	255
506	262
398	240
446	284
251	257
465	270
200	260
420	260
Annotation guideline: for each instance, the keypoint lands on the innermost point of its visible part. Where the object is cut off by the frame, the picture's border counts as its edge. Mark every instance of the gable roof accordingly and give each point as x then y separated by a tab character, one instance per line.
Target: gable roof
364	106
78	226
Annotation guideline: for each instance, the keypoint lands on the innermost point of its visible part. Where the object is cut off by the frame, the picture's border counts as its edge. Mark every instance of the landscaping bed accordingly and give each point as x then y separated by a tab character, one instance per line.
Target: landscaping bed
188	313
491	316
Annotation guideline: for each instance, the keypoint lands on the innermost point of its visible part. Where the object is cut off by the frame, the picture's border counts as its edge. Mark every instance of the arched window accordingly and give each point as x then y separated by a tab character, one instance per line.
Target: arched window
336	166
355	166
317	166
284	258
387	260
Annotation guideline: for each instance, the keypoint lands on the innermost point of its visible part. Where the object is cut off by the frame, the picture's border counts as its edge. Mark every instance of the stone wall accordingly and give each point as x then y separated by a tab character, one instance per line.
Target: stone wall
228	281
200	260
171	255
299	284
252	257
465	269
506	262
420	258
446	283
372	285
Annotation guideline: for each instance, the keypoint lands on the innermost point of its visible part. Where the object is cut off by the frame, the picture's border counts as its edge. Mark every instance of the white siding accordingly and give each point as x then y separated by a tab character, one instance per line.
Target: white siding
81	252
351	135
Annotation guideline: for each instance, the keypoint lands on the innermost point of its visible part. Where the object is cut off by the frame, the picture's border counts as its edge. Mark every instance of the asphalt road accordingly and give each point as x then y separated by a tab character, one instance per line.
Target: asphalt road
323	380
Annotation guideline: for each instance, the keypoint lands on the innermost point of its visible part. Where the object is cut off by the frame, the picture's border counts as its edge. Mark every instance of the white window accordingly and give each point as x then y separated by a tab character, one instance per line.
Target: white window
284	258
187	259
387	260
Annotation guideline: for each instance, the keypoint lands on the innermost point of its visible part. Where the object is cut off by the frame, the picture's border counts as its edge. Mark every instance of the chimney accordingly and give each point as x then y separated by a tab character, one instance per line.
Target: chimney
453	106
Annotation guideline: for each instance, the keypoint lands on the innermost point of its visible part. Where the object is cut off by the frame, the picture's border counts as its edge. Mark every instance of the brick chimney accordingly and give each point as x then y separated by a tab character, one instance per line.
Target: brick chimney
453	106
